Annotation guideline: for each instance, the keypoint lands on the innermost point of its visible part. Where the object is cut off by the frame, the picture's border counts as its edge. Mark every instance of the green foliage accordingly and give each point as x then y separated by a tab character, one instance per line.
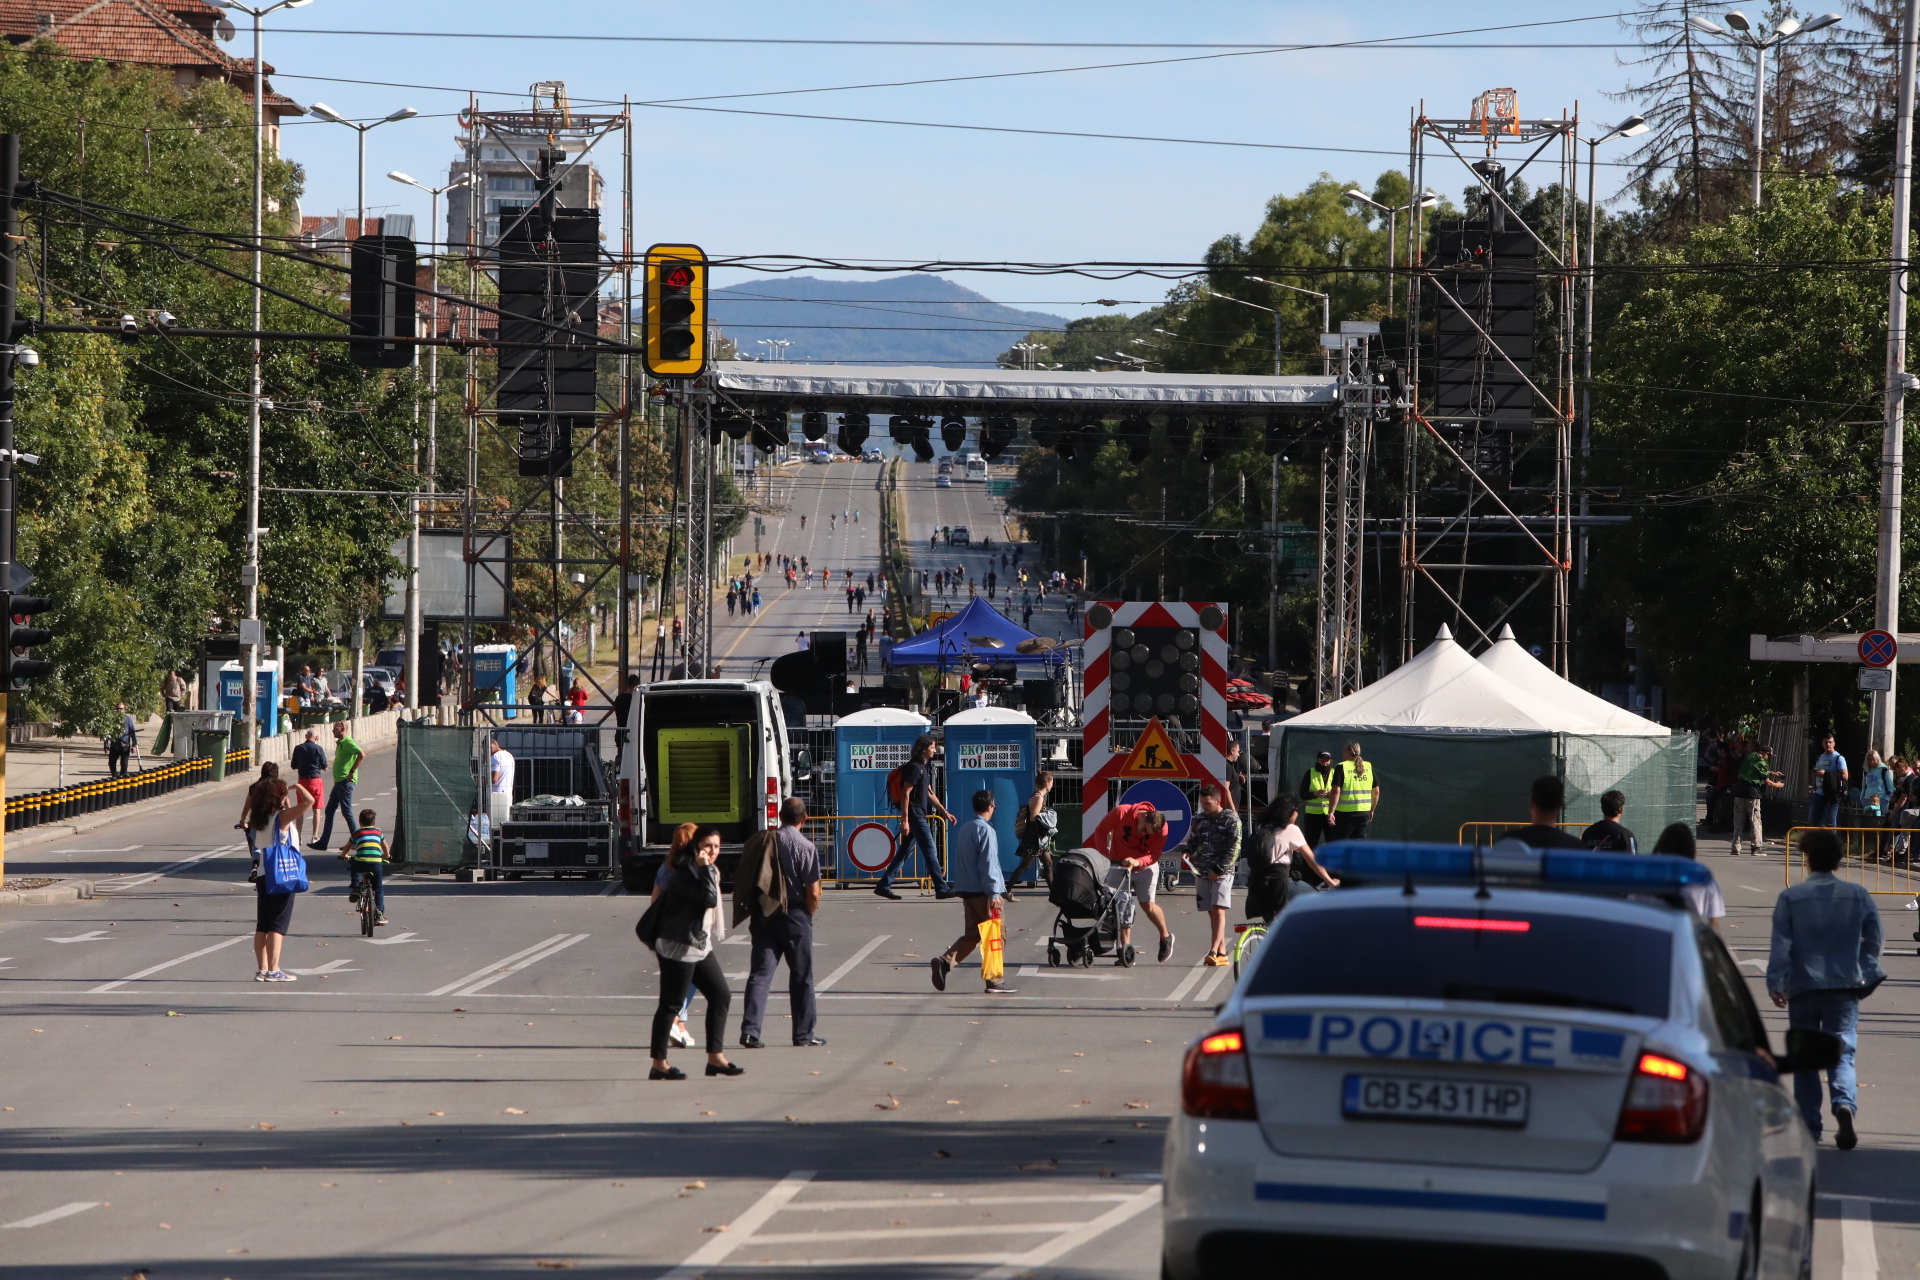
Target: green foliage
135	521
1740	420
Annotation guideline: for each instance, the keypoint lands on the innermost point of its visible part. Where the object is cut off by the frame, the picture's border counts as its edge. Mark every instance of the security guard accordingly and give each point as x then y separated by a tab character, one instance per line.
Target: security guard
1356	794
1316	799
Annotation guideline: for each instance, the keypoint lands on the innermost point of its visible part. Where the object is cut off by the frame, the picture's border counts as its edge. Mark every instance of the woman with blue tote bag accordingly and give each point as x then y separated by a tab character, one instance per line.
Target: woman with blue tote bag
277	809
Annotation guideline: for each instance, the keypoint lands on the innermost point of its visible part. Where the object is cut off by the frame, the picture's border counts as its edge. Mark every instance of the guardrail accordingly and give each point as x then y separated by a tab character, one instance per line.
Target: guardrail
1878	859
1487	832
63	804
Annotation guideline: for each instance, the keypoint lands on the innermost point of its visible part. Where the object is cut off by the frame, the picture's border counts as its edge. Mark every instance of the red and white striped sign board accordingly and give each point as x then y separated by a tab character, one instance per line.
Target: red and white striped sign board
1102	763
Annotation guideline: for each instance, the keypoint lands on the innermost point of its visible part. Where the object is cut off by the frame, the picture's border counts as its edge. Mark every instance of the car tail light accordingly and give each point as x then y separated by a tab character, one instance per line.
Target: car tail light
1217	1081
626	814
1666	1102
773	803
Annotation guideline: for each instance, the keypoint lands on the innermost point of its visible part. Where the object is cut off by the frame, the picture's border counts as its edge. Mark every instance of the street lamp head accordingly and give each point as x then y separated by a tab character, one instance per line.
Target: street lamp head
1706	24
1738	21
1354	193
1787	27
1631	127
398	176
1428	200
1824	20
404	113
326	112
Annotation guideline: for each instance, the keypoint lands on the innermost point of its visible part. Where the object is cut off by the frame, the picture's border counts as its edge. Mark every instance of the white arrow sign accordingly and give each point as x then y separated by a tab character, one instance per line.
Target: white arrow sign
97	935
330	967
398	937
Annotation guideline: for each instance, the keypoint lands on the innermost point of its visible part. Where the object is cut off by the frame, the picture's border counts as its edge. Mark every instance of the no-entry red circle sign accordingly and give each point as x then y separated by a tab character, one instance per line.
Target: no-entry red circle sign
1878	648
870	846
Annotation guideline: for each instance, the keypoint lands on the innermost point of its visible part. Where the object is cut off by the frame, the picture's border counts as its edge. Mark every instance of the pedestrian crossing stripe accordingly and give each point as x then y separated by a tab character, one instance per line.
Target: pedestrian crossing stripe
1154	755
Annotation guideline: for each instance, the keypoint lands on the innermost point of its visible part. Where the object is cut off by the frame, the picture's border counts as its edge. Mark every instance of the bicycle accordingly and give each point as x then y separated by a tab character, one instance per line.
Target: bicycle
1246	945
361	897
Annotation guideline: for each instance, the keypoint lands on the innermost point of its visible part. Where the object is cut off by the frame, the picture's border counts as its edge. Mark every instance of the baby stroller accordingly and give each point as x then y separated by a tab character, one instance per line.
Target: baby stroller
1088	923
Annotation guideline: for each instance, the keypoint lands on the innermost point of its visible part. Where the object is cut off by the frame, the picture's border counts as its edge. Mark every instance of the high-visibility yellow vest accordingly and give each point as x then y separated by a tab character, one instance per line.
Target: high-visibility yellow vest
1356	787
1321	781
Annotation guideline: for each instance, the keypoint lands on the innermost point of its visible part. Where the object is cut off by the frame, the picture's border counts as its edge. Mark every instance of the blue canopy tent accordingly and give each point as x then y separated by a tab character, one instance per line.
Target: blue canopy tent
952	643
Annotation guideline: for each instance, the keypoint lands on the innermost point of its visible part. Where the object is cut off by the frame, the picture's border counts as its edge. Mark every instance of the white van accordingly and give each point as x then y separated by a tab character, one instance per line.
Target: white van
704	751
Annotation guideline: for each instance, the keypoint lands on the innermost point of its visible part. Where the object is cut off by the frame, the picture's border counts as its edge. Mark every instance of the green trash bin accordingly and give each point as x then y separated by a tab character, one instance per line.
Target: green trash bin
208	745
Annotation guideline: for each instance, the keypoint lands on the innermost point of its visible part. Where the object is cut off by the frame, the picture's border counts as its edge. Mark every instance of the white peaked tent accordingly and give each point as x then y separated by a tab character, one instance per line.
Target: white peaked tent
1455	744
1516	666
1444	691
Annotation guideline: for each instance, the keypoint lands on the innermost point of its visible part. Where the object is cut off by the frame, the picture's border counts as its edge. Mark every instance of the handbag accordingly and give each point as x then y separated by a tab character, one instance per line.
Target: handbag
282	869
992	949
647	927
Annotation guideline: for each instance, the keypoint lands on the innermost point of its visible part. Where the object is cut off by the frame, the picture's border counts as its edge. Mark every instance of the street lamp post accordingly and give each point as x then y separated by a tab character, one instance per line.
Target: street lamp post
1743	33
776	348
251	637
1272	311
414	629
1632	127
1326	319
1393	212
326	112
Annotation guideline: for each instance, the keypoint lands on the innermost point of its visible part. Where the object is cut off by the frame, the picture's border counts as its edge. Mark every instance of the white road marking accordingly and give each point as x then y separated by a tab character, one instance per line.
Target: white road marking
396	939
922	1202
51	1215
331	966
1206	991
478	974
97	935
851	964
914	1233
737	977
715	1251
1194	975
1860	1259
1123	1212
612	889
125	848
117	884
166	964
865	1262
511	969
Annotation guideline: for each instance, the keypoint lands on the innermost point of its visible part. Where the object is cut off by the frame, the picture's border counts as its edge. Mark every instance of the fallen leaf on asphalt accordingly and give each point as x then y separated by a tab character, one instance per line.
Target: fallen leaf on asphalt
329	1184
696	1185
551	1264
716	1230
911	955
459	1010
237	1251
792	1117
396	1037
943	1155
1138	1104
1107	1142
166	1226
262	1125
436	1113
175	1013
513	1111
39	1031
901	1222
953	1102
890	1062
709	1113
1108	1173
1139	1124
811	1073
1040	1166
891	1104
1066	1071
10	1108
406	1124
1079	1055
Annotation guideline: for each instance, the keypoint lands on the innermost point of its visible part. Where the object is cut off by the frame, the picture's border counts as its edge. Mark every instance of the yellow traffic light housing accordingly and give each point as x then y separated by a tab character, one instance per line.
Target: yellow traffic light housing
675	311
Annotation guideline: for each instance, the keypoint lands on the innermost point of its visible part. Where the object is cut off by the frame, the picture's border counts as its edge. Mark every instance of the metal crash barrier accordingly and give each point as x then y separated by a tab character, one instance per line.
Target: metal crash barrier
63	804
1876	858
855	848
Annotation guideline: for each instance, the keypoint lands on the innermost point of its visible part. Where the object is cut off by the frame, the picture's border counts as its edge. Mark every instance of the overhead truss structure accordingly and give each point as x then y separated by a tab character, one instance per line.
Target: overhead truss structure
1486	522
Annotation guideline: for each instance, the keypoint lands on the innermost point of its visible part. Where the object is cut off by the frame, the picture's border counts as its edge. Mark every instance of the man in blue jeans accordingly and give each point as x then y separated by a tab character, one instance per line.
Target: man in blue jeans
346	772
1825	957
916	797
1829	786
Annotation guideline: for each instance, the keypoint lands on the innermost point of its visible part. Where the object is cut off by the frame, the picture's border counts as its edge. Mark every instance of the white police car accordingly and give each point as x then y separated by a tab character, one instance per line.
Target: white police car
1502	1063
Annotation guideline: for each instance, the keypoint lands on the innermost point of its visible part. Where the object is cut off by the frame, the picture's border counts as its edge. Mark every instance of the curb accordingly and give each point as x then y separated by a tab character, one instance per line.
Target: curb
68	891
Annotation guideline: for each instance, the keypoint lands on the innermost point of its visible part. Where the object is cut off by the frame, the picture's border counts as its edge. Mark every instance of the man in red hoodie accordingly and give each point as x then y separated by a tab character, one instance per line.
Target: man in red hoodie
1133	836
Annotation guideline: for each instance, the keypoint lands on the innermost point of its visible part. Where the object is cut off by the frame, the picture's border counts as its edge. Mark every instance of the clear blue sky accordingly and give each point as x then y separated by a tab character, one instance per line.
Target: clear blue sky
747	184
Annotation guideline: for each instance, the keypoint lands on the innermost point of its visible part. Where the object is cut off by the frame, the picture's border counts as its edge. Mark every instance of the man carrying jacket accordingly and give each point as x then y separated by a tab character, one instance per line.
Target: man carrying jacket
777	890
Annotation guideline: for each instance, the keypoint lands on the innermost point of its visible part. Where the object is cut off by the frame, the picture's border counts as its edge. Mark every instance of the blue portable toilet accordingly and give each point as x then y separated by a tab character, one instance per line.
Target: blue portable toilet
233	679
494	677
991	749
868	746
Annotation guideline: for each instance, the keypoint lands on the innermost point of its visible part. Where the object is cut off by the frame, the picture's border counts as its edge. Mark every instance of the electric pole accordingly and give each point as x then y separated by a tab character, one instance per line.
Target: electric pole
1886	614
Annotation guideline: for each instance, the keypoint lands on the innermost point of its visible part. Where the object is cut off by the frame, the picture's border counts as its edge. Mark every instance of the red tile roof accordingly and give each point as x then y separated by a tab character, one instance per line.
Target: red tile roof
176	34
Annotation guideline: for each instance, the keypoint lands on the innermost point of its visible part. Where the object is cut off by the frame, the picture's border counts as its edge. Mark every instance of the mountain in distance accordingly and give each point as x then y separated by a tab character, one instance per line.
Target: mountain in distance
909	319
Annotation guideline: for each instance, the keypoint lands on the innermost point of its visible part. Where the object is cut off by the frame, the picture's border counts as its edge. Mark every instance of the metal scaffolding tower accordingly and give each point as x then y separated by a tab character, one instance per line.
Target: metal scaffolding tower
1339	633
551	559
1486	517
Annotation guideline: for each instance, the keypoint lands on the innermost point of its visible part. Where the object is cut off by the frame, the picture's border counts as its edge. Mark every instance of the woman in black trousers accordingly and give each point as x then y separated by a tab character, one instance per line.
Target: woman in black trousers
688	929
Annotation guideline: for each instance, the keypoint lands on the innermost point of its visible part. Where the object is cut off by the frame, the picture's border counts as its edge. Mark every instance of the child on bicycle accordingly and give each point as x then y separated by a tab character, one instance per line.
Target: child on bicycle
366	854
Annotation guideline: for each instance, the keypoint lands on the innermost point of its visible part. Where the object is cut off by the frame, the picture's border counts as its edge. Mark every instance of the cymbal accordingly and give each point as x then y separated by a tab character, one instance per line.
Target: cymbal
1039	644
987	642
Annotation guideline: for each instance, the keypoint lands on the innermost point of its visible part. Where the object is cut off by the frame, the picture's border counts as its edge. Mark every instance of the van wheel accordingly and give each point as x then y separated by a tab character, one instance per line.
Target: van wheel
1749	1268
1805	1271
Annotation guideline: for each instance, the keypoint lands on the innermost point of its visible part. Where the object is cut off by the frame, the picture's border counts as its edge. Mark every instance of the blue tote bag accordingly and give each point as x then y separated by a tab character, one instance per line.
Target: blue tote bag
282	869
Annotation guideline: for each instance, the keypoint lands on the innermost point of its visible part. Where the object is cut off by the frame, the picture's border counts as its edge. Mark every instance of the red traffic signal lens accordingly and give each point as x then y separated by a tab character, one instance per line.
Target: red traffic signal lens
678	276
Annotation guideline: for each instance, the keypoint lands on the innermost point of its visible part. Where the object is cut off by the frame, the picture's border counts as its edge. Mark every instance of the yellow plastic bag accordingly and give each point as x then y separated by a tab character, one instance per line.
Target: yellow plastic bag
992	945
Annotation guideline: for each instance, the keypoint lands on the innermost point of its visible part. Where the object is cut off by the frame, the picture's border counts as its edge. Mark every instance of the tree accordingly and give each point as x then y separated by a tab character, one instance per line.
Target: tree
1737	424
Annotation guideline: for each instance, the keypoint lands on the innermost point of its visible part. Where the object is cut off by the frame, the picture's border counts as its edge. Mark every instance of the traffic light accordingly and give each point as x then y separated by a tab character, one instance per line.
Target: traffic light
813	425
1136	432
770	430
1179	433
380	301
997	431
853	432
1276	435
675	311
734	423
953	433
1046	430
1218	438
1155	671
21	669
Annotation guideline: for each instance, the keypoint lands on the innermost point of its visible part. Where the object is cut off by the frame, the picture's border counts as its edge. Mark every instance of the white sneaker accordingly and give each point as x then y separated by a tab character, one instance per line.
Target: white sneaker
681	1036
263	976
281	976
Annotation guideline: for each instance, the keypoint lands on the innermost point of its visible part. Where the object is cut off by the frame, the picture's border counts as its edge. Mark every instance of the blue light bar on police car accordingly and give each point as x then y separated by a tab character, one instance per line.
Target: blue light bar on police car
1510	863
